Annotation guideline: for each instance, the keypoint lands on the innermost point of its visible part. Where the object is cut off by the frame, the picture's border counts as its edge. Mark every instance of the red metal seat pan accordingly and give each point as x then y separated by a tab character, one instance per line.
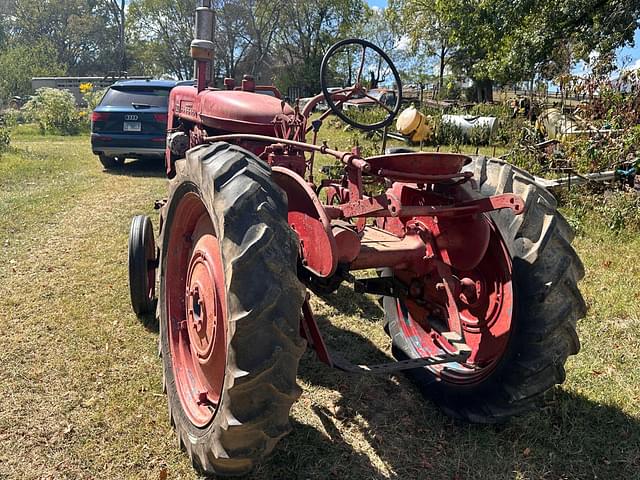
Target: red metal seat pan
425	163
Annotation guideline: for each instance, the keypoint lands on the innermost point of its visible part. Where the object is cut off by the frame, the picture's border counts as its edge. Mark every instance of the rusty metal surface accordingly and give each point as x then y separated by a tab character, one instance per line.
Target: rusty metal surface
307	218
420	163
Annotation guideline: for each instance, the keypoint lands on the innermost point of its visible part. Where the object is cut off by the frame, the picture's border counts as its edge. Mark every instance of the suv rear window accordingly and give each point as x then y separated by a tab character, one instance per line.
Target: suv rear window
125	96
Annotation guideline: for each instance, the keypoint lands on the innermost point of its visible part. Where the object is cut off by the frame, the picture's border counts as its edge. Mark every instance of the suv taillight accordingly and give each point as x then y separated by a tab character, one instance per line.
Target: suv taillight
99	116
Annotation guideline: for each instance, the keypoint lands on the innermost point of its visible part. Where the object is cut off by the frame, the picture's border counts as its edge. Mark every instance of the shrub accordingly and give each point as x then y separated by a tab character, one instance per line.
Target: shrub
5	138
479	136
449	134
616	210
619	211
55	111
13	117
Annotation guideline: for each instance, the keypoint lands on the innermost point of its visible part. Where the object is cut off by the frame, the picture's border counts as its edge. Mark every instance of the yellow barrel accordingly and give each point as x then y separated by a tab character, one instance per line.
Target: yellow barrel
413	124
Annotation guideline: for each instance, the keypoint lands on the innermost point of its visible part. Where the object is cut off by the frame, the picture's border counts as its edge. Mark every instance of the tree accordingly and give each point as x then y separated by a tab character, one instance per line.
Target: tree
263	20
511	41
433	27
81	32
161	33
307	30
21	62
118	10
230	38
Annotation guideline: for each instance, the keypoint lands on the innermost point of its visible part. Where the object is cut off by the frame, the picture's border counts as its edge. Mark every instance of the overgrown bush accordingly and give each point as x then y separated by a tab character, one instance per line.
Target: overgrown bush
499	110
13	117
603	151
54	111
527	160
366	115
617	210
5	137
448	134
479	136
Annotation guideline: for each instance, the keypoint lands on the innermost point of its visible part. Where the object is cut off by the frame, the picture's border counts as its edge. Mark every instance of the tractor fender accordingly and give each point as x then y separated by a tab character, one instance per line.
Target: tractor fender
308	219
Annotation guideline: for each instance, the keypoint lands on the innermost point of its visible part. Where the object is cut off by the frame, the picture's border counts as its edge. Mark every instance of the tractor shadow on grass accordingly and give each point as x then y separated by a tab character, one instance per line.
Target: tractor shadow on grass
370	427
345	301
147	167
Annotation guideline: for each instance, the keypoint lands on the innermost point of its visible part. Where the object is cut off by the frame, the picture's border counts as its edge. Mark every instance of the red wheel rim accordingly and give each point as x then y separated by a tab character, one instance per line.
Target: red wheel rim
487	320
196	310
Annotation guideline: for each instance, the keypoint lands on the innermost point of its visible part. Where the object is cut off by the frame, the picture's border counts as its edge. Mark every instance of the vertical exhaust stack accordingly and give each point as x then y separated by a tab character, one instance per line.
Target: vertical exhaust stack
202	47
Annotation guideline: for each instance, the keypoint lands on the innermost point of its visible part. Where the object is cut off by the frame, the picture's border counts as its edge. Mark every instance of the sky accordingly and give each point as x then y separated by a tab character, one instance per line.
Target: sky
632	52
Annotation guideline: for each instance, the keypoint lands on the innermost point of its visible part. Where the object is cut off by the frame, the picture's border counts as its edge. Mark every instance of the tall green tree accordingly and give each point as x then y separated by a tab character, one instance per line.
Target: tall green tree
161	32
514	40
307	30
19	63
432	28
82	32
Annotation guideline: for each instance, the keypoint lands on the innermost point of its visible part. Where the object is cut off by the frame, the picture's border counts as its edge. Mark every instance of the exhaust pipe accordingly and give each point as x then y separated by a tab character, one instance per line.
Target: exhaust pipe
202	47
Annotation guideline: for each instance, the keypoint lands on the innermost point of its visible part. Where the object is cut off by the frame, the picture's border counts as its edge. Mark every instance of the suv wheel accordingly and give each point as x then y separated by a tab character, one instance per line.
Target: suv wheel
111	162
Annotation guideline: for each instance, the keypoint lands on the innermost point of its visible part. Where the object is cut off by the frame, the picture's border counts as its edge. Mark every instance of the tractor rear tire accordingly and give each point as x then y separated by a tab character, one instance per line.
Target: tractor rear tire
245	220
546	270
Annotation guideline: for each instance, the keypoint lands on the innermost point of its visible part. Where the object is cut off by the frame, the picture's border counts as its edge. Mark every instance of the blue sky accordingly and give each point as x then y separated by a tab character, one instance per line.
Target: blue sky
632	52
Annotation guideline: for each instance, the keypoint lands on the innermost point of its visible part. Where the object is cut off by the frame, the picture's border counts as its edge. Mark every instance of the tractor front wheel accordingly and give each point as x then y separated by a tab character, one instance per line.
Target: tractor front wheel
230	306
522	326
142	266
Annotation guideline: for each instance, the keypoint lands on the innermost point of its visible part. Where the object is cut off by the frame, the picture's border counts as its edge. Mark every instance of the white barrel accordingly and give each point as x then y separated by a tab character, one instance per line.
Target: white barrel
469	122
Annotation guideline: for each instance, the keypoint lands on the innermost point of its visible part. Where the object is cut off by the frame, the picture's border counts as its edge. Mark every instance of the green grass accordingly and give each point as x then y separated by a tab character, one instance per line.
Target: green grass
80	383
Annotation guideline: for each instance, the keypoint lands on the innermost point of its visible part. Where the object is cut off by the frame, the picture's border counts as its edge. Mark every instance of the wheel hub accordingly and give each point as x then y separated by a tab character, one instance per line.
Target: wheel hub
202	305
484	300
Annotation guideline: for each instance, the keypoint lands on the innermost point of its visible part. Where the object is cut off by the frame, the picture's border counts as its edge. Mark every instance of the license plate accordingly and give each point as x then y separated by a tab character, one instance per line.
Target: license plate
132	127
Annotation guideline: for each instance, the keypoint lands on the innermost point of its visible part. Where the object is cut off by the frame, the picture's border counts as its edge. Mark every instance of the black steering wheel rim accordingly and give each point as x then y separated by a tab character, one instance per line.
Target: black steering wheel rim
328	96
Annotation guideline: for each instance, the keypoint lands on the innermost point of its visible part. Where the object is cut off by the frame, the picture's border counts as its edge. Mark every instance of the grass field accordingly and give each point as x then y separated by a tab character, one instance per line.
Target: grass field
80	382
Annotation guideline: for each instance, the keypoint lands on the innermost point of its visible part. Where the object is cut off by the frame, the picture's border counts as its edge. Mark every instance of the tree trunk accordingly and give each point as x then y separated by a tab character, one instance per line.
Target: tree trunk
123	50
484	90
442	66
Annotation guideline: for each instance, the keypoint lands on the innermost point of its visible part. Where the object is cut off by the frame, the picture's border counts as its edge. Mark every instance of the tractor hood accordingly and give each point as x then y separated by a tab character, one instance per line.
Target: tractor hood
238	111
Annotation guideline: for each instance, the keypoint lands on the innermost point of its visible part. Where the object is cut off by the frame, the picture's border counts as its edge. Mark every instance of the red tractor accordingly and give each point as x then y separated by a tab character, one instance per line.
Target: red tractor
474	264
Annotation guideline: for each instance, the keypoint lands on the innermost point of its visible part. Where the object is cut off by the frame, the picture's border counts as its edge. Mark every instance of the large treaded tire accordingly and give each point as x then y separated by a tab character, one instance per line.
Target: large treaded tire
264	300
546	271
142	251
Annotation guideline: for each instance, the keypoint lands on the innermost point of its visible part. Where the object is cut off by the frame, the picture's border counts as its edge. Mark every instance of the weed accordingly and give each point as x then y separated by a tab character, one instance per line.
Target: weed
5	138
617	211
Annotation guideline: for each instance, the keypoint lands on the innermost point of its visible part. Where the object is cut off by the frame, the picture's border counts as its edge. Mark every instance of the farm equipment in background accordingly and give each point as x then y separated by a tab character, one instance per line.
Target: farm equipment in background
475	268
17	102
414	125
628	174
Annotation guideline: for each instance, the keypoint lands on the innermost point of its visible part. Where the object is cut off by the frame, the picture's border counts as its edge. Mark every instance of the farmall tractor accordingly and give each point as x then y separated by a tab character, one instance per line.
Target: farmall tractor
469	255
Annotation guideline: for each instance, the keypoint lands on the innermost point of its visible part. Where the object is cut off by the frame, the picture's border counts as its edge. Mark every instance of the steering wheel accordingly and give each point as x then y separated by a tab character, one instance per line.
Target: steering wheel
336	99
